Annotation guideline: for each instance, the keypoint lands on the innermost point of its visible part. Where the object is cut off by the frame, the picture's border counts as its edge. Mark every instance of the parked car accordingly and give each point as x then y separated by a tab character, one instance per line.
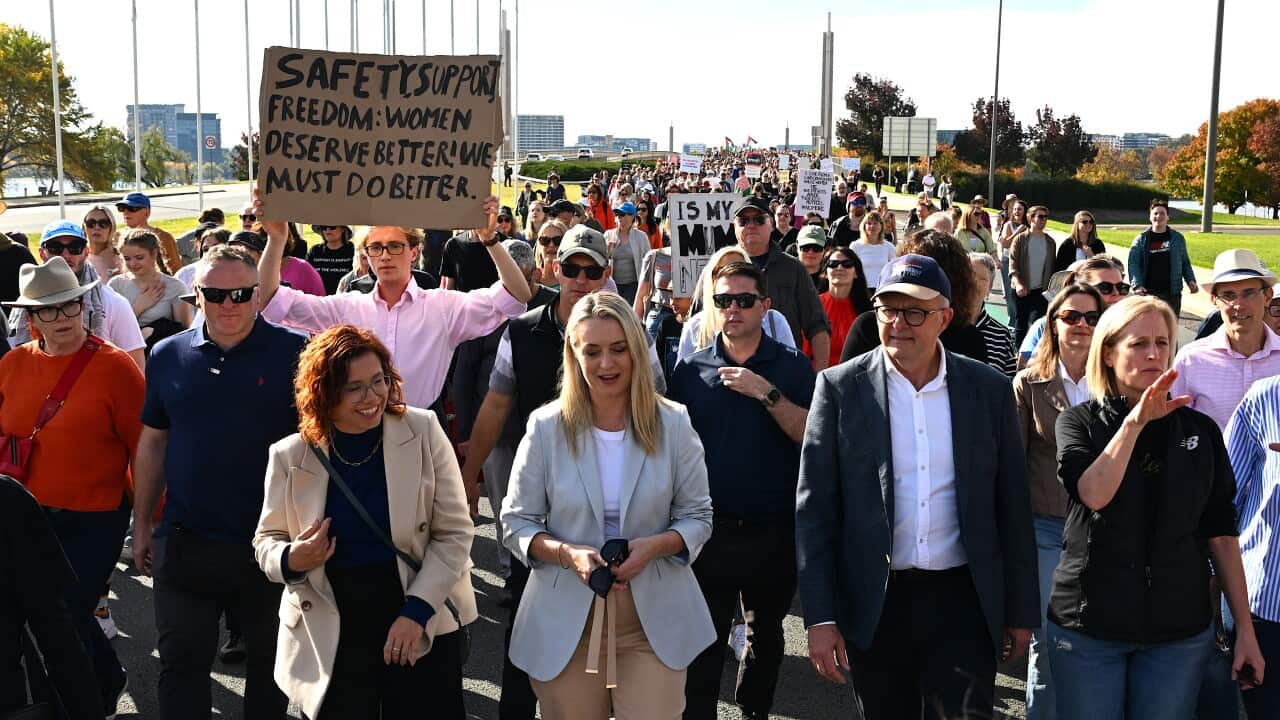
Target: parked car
586	153
533	157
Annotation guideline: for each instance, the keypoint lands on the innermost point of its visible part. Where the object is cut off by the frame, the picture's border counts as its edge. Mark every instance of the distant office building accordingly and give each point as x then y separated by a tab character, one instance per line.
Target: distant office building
948	137
1112	142
179	128
609	143
1140	141
540	132
693	148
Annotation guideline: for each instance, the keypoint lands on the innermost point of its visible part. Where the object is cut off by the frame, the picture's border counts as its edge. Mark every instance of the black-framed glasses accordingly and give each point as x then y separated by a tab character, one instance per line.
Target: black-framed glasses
746	301
97	223
357	392
1243	296
1108	288
846	264
239	296
550	240
53	247
392	248
571	271
69	309
1073	317
914	317
745	220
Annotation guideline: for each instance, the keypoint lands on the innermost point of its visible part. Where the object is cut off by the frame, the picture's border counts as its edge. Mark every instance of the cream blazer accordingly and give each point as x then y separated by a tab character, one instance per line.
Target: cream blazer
429	520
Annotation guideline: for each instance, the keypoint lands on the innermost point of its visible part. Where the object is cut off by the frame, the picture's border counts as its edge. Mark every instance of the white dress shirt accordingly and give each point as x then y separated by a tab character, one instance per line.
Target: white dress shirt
926	520
1077	392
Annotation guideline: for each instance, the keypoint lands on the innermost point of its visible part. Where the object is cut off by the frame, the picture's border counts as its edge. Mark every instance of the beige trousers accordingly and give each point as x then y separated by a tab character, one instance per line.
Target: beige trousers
646	689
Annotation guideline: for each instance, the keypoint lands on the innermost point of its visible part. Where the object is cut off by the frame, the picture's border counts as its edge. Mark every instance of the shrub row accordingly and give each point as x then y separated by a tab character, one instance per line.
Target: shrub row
568	170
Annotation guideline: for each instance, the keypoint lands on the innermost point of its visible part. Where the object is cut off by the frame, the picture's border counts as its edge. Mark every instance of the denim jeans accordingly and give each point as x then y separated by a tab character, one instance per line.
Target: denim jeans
1008	291
1264	702
1040	689
1113	680
653	318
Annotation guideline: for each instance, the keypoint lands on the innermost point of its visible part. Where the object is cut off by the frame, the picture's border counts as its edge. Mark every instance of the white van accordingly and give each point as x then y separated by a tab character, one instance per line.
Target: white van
533	157
586	153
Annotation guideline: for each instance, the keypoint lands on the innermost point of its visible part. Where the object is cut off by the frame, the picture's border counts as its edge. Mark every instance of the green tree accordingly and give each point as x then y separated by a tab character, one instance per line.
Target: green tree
103	158
974	145
1241	173
238	158
26	106
157	154
869	101
1059	146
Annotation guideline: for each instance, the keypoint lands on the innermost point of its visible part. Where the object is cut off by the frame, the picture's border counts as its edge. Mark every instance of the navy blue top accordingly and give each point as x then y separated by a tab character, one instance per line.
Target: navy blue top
357	544
752	466
223	411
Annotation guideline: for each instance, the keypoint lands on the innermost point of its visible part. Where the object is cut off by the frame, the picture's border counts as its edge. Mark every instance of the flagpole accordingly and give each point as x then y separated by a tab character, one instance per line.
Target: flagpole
137	109
326	24
199	116
477	27
453	47
292	40
248	93
424	27
57	111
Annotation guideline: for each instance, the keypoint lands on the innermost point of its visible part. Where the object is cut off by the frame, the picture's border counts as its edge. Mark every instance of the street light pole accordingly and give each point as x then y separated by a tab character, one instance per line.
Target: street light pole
995	114
1211	147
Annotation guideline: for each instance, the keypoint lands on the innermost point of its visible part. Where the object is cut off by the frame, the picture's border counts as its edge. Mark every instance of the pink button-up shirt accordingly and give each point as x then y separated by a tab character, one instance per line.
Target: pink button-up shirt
1217	377
421	331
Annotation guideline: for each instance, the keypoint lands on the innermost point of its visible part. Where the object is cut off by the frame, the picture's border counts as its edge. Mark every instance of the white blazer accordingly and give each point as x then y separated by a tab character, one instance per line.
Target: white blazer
554	491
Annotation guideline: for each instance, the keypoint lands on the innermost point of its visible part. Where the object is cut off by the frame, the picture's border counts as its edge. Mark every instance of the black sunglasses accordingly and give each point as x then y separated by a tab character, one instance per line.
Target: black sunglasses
248	216
846	264
745	220
594	272
1107	288
549	240
95	223
503	219
746	301
1073	317
75	247
239	296
317	228
128	208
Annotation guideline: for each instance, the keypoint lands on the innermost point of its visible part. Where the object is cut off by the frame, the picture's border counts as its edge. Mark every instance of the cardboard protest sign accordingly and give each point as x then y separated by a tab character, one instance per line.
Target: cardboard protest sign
813	192
359	139
701	223
690	164
851	164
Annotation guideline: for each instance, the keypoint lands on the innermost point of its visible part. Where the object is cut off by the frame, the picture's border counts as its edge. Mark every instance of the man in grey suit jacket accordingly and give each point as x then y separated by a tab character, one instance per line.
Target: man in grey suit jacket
913	517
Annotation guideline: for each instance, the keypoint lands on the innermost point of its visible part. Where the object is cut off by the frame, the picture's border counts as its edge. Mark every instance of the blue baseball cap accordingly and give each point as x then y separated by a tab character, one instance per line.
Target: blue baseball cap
626	208
916	276
62	228
135	199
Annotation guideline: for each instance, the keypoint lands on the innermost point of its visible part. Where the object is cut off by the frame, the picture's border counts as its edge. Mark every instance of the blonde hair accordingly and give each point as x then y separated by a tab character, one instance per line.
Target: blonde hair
706	287
1100	376
575	398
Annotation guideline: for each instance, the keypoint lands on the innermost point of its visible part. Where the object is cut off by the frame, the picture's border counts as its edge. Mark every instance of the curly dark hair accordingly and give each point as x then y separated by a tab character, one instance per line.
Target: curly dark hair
951	256
322	373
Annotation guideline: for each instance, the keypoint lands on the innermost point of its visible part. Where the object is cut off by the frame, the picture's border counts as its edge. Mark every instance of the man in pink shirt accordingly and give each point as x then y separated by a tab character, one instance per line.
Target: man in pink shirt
1216	371
420	327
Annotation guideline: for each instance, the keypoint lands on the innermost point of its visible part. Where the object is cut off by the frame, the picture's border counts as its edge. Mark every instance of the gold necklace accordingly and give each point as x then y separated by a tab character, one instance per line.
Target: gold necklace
334	446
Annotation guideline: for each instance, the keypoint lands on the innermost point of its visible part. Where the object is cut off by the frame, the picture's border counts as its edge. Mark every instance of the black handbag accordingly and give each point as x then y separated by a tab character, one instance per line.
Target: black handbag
386	540
32	663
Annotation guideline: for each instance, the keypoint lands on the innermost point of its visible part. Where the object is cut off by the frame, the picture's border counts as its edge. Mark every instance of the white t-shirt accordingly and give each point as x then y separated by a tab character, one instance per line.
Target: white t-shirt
121	325
874	258
610	453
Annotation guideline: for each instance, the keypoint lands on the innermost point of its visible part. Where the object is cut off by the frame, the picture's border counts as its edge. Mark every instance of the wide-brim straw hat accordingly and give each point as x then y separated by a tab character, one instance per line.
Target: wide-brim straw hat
51	283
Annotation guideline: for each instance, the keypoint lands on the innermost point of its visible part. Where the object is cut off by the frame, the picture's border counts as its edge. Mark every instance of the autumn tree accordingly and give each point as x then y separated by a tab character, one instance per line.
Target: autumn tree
1265	144
869	101
974	145
1112	166
1157	159
1059	146
1242	174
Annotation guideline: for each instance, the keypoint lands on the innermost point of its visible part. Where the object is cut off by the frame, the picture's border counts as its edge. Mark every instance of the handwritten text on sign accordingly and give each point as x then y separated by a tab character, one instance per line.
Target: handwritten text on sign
378	139
813	192
700	224
690	164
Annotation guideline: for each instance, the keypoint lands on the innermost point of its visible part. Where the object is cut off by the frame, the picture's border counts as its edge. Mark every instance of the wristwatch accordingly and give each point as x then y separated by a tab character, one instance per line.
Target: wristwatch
772	397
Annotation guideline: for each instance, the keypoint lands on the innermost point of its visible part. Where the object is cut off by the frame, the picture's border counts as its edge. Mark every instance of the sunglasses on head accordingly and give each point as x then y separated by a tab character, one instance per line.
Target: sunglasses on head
746	301
1073	317
593	272
239	296
75	247
96	223
745	220
1107	288
846	264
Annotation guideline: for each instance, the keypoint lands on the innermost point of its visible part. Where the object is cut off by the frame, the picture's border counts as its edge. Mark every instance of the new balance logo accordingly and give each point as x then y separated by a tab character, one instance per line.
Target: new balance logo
1190	443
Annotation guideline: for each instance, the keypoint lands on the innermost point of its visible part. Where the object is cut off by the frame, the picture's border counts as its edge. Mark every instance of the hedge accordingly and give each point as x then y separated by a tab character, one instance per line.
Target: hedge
1060	196
568	170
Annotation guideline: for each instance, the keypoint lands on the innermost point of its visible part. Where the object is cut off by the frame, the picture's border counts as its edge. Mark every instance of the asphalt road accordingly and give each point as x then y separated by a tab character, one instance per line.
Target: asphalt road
29	218
802	695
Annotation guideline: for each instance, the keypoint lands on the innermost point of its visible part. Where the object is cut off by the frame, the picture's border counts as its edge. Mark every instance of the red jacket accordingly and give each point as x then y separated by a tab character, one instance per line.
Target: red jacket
603	215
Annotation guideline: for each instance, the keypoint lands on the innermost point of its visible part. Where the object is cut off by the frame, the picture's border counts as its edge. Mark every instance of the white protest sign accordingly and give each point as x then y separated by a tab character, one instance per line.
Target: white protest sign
690	164
784	162
701	223
825	165
813	192
851	164
755	165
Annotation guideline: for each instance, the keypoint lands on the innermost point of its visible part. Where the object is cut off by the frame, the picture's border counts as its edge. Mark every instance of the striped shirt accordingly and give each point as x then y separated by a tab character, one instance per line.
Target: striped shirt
1216	376
999	341
1254	425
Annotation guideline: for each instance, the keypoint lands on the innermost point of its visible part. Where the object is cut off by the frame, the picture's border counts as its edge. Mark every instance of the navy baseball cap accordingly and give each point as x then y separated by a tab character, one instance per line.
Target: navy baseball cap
916	276
249	239
62	228
135	199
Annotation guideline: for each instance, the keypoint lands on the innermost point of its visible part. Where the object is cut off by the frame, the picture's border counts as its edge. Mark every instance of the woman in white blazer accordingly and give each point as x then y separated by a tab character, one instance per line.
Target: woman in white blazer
362	633
610	459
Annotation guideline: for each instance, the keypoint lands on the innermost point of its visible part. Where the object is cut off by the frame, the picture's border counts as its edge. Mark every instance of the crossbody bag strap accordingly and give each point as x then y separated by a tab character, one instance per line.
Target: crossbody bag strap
373	524
54	401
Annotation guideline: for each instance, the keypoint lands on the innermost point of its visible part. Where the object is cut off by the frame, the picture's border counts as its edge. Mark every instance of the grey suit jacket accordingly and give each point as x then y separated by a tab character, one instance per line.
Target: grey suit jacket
844	506
553	490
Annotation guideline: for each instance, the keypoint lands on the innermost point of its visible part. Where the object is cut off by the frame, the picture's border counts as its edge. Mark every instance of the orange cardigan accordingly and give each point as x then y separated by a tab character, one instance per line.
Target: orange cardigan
604	215
81	458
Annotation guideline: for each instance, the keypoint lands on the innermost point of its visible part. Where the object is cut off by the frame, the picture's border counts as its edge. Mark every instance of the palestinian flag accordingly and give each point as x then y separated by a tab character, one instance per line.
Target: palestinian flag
750	141
729	144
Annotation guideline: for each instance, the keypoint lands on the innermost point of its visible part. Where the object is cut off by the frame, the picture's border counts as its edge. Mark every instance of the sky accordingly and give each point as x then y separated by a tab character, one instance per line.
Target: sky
631	69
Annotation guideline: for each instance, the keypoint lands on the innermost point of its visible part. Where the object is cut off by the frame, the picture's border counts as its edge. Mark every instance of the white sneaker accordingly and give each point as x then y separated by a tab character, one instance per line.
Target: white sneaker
103	614
738	640
126	551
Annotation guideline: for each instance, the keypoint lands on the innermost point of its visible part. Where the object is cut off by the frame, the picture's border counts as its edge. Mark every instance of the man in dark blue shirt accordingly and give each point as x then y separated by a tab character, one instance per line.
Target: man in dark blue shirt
218	396
748	398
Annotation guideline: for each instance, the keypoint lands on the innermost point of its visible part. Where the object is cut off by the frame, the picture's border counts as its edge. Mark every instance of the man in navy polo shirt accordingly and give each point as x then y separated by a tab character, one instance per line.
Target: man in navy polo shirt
217	396
753	463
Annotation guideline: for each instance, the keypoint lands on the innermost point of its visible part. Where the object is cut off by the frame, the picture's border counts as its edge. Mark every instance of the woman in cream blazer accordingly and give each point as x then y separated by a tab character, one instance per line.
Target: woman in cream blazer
610	459
362	635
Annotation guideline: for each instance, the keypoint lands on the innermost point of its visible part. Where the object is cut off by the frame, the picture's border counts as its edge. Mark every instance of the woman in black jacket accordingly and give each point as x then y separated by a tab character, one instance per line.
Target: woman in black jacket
1150	501
1083	243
